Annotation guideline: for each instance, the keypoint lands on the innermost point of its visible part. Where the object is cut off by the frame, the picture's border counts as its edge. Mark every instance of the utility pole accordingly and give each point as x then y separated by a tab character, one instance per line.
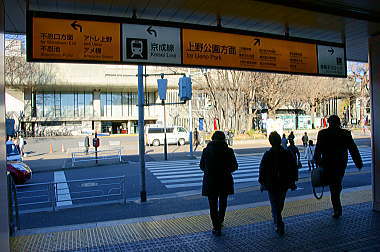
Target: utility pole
141	132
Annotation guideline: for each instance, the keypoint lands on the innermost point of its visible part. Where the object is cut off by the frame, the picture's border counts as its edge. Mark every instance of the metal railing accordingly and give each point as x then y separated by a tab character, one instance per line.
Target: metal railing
74	193
83	156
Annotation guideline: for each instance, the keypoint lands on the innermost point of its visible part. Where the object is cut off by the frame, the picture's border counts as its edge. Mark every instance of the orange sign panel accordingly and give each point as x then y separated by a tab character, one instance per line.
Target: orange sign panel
64	39
206	48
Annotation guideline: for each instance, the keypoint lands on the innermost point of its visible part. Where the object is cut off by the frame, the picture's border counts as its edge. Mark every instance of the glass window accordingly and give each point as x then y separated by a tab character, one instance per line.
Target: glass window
40	104
109	104
127	104
49	105
116	104
57	104
169	130
80	104
88	105
67	104
103	104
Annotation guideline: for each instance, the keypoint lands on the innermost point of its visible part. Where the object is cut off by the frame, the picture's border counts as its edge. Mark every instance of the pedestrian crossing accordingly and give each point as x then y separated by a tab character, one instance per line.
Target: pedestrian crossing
186	173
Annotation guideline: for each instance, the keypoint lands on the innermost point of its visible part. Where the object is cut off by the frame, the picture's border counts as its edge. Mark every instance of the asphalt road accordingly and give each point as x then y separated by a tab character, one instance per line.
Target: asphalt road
170	181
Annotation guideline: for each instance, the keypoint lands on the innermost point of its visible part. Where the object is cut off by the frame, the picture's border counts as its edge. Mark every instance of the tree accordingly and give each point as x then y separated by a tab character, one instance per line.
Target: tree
21	74
359	75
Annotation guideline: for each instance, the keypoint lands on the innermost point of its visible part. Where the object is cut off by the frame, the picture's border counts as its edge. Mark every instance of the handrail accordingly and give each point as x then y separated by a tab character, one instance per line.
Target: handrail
94	155
105	190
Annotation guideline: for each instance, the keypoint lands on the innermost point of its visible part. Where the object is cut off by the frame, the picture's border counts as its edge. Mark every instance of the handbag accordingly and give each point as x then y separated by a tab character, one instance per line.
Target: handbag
317	180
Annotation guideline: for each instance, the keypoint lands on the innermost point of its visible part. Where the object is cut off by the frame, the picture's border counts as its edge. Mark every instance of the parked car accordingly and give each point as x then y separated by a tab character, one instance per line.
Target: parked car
174	135
19	171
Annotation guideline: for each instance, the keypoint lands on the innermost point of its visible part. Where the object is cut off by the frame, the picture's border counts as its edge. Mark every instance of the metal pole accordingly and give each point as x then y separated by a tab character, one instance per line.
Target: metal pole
190	122
141	132
190	128
165	140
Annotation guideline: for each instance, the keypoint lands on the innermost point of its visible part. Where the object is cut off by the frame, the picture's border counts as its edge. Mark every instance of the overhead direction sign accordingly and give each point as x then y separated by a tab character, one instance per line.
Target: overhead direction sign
68	39
331	60
207	48
153	44
91	39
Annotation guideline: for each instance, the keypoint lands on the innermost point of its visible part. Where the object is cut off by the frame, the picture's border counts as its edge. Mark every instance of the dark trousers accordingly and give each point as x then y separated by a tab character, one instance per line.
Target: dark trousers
277	200
217	213
335	190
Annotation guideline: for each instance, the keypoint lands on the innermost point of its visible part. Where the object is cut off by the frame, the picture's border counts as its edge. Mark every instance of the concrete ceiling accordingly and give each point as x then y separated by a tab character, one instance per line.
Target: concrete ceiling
349	21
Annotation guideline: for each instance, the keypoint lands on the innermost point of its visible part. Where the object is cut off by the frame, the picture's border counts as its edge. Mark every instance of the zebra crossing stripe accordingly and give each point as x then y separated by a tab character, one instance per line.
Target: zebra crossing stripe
186	173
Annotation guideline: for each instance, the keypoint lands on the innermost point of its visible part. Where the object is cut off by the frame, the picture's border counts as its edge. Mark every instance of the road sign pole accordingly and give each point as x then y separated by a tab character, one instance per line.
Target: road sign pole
165	140
190	128
141	132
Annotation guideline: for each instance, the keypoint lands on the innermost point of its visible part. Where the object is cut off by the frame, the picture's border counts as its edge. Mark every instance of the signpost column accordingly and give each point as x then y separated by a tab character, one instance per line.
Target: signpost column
141	132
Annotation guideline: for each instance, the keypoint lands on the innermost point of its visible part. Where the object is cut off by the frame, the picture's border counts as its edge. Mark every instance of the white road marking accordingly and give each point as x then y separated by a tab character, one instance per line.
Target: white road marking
186	173
62	189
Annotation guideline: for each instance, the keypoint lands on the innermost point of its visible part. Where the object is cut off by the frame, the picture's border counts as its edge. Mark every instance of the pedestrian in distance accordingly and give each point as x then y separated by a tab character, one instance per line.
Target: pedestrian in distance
305	140
218	162
278	173
284	141
295	153
87	143
21	144
196	139
331	153
230	137
309	155
291	136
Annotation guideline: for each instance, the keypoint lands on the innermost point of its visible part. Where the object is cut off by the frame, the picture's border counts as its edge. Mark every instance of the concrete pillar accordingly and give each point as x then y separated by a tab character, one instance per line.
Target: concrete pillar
96	104
4	221
374	64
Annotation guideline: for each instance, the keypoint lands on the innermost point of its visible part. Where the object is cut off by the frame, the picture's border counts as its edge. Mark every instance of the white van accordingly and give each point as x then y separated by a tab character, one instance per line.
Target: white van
174	135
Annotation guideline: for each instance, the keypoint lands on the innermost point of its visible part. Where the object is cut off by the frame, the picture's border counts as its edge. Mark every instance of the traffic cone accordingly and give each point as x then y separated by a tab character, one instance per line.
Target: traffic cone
62	148
51	148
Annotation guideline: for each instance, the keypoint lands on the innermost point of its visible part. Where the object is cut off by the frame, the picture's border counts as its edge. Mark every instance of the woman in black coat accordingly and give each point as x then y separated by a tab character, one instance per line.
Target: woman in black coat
218	162
278	173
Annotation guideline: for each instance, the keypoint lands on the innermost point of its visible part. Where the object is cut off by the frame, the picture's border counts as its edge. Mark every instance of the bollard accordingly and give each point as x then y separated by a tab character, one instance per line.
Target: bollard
62	148
51	148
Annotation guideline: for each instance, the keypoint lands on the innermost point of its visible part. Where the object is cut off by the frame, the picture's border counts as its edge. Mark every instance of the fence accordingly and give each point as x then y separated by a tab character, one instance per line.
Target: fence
39	197
77	157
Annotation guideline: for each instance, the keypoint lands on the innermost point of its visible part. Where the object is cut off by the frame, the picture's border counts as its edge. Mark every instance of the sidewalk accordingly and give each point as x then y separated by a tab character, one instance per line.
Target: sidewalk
309	227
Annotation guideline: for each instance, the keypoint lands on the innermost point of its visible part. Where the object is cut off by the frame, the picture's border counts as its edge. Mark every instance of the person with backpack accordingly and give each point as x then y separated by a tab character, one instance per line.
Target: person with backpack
278	173
218	162
309	155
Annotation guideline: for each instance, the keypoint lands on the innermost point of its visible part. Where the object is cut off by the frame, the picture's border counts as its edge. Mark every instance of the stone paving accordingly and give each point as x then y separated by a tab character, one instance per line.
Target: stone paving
309	227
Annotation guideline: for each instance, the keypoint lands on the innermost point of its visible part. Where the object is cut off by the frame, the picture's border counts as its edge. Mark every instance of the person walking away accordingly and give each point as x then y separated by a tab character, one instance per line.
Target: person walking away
87	143
309	154
196	139
21	145
230	137
284	142
295	153
278	173
218	162
291	136
331	153
305	140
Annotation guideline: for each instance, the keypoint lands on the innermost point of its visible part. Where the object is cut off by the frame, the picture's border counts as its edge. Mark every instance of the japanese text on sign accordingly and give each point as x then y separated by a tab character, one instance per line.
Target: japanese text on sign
75	40
240	51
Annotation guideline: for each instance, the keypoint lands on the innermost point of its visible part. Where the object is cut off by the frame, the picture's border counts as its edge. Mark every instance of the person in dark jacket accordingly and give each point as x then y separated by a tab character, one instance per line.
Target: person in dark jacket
218	162
86	143
331	153
278	173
